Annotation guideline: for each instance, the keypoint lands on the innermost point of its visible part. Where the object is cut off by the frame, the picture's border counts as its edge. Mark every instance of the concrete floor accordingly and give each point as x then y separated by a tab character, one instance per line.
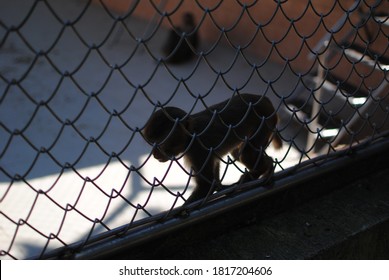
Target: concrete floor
41	199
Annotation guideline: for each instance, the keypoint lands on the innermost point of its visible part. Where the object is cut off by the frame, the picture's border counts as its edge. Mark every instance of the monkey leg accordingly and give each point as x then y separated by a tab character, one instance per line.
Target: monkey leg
202	191
207	181
258	164
197	194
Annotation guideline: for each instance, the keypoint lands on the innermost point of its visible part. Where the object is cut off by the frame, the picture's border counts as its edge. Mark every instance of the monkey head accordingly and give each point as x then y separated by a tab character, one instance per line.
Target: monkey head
167	131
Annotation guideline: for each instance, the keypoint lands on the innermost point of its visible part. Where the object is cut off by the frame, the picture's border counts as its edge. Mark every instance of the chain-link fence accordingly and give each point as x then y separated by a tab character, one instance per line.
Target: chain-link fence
79	80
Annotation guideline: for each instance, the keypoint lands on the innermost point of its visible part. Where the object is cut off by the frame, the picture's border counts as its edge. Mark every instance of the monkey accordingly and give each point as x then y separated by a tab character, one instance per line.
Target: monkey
243	125
178	50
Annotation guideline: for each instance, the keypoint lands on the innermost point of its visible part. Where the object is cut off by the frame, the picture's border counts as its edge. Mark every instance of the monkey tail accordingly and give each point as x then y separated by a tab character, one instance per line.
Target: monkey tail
277	141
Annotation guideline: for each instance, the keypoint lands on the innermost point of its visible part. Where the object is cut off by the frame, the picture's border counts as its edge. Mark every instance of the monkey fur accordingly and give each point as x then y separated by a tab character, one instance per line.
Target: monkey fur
243	126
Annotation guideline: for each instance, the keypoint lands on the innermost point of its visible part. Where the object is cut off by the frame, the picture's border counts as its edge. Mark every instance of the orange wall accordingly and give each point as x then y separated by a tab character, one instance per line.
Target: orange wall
240	23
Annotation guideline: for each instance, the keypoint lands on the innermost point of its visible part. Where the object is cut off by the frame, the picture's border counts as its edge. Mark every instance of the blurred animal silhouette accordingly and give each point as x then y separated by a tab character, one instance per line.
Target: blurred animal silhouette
182	41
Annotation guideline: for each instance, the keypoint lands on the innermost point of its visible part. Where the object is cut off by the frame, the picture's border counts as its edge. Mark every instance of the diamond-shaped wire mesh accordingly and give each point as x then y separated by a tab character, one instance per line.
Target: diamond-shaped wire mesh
79	79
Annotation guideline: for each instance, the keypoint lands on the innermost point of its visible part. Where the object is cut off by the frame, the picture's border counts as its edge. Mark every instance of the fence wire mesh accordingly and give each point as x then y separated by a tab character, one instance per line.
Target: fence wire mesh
79	80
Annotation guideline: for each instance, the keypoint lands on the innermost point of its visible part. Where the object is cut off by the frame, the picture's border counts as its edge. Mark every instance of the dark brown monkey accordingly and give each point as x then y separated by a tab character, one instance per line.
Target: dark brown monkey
178	50
243	125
